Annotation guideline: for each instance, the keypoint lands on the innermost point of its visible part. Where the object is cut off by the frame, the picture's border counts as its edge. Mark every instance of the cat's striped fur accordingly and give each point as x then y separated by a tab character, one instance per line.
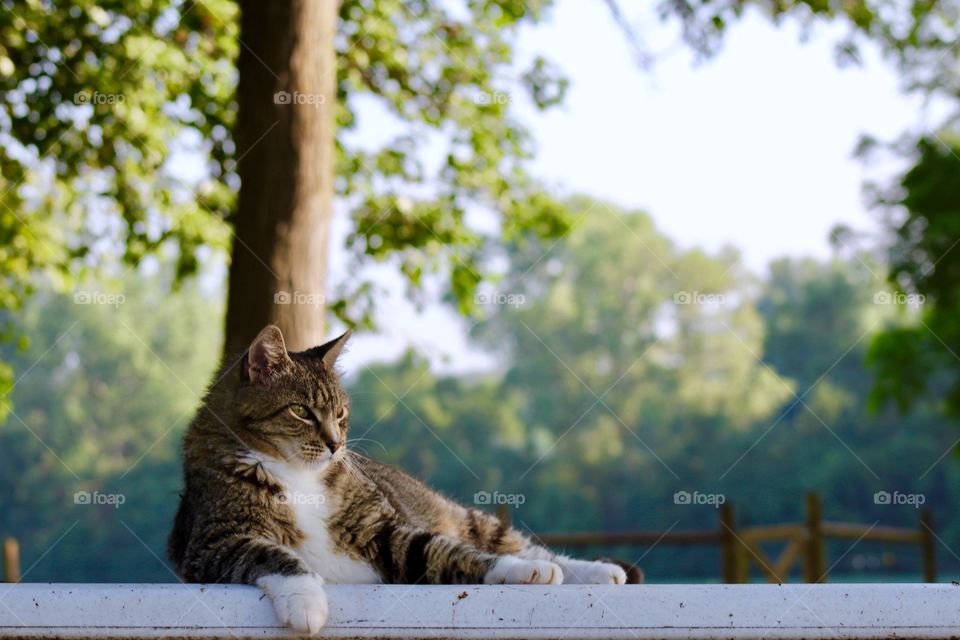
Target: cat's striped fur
273	498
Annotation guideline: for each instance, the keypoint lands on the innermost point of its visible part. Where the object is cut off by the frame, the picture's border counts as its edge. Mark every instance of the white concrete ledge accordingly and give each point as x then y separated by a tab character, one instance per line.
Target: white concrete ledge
646	612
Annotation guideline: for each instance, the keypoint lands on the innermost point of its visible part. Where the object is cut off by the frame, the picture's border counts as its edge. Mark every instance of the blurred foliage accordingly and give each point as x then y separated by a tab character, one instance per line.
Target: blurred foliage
447	76
107	386
116	137
612	394
673	324
106	102
633	369
917	35
104	99
920	355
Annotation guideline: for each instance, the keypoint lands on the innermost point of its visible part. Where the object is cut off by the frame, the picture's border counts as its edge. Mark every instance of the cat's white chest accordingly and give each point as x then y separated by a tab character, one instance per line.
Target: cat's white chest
307	496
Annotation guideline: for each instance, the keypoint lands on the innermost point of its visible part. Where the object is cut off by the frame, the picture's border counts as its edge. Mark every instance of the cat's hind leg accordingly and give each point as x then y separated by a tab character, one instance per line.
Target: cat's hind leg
409	555
590	572
490	534
578	571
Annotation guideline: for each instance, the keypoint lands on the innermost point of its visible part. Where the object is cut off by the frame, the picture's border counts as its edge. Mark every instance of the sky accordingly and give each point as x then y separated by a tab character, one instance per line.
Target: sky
751	148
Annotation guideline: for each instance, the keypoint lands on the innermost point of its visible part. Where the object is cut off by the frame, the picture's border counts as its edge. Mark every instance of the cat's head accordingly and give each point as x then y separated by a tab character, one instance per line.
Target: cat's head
290	405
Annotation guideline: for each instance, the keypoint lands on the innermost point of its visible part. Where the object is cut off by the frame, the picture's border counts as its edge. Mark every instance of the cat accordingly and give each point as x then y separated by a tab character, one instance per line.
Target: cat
273	498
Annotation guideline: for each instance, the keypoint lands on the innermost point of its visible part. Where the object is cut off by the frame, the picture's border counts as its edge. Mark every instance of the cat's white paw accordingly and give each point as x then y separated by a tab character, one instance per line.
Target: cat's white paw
513	570
299	601
584	572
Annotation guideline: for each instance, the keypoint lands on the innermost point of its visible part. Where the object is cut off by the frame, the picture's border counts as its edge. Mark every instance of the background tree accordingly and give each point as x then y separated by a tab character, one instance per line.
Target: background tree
285	147
918	355
104	101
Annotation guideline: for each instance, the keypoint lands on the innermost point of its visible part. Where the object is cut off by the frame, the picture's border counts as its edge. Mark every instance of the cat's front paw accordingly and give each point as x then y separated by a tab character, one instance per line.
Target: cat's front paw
513	570
299	601
582	572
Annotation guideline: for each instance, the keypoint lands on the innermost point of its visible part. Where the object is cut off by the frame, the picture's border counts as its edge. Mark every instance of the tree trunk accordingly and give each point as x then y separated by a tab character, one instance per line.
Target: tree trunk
285	146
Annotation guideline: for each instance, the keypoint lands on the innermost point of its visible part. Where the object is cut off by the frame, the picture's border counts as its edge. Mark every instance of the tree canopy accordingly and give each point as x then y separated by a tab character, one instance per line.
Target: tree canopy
118	137
117	129
105	100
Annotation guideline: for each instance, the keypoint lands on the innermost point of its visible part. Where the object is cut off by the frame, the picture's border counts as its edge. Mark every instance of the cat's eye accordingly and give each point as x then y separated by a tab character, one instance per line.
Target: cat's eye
341	414
300	411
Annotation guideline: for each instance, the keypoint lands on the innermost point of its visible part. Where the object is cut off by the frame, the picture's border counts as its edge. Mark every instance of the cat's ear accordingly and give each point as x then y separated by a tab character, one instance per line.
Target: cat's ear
330	351
267	356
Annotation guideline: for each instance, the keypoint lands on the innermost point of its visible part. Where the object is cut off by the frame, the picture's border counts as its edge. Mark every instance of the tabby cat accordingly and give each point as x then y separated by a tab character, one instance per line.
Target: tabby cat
273	498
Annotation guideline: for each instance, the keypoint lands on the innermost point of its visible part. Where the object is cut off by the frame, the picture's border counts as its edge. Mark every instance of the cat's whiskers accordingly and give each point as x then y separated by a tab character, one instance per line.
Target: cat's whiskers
376	442
351	465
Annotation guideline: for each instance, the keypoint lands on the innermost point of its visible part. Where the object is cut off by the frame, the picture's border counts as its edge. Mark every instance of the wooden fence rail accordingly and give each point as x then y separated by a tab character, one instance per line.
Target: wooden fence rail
740	547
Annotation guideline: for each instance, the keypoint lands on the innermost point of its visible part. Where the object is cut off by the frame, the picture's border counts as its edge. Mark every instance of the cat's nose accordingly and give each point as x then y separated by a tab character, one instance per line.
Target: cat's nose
334	446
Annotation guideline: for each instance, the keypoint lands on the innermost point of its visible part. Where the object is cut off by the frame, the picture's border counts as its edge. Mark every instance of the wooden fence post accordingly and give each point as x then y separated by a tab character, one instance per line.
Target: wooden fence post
815	559
928	548
11	560
503	513
735	564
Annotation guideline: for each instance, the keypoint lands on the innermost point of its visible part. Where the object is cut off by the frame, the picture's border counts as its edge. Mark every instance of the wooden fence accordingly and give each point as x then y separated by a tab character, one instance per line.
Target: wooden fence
740	547
11	560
